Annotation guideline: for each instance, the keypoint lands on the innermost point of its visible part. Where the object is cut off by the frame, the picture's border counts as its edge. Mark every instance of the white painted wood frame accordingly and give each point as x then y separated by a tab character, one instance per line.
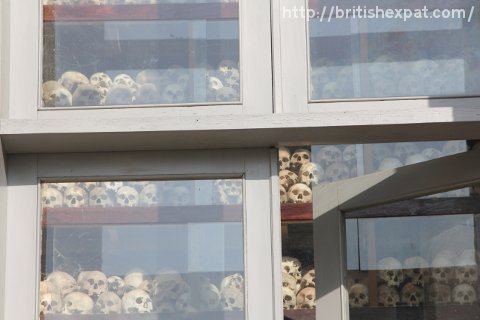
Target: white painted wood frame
23	217
332	201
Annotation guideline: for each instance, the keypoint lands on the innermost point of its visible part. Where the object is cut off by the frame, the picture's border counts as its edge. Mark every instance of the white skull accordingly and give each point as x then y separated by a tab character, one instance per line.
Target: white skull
101	79
466	271
299	158
147	94
336	172
289	298
50	303
387	296
311	174
137	301
48	287
229	191
283	195
328	155
112	186
442	269
52	198
56	96
149	195
93	283
180	196
119	94
390	271
75	197
209	296
108	303
415	158
464	294
287	178
358	295
300	193
432	153
417	270
77	303
125	80
390	163
168	286
233	281
439	294
116	284
283	158
403	150
308	279
454	147
289	281
86	95
232	299
70	80
127	197
350	155
99	198
173	93
137	280
412	295
227	94
380	152
293	267
306	298
63	281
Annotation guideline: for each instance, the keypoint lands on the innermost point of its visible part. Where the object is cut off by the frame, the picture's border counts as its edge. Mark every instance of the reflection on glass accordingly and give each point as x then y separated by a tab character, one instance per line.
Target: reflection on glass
378	56
158	52
412	261
164	247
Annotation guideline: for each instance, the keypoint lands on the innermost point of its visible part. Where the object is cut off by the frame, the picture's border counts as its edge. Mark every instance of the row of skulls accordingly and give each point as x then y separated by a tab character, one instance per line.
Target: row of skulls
447	279
132	194
121	2
166	292
169	86
298	289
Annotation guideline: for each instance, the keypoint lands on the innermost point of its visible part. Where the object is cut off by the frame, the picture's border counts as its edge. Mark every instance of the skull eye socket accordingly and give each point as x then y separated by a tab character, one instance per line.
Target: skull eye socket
91	281
305	156
460	294
69	303
69	197
309	297
295	192
101	282
306	193
104	197
139	300
362	296
44	303
53	198
131	197
80	198
109	303
351	295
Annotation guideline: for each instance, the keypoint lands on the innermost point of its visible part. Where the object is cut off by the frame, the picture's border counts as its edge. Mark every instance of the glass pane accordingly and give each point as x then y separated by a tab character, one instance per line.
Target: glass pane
159	247
407	267
393	49
140	52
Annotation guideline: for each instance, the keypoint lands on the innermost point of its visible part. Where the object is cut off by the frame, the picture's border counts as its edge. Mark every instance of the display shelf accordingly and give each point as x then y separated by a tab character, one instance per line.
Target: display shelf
164	11
220	315
301	314
297	212
139	215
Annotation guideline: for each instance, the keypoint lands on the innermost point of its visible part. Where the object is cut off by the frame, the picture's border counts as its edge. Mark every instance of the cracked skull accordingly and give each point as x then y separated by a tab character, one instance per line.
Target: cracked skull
293	267
311	174
116	284
287	178
127	197
93	283
137	301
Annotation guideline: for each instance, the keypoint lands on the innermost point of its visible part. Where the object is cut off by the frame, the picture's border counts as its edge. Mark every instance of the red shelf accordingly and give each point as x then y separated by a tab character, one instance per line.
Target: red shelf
297	212
138	215
165	11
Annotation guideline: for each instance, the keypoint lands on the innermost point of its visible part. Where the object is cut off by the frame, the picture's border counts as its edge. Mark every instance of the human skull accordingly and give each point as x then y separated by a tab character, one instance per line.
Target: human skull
380	152
432	153
336	172
116	284
101	79
173	93
125	80
137	301
63	281
358	295
415	158
289	282
403	150
227	94
86	95
412	295
148	196
50	302
283	158
93	283
387	296
127	197
466	271
287	178
464	294
108	303
299	158
390	271
416	269
283	195
209	296
300	193
147	94
289	298
168	286
233	281
453	147
229	191
136	279
293	267
184	303
389	163
311	174
180	196
442	269
308	279
48	287
57	97
227	67
52	198
119	94
349	155
306	298
328	155
70	80
99	198
77	303
75	197
232	299
439	294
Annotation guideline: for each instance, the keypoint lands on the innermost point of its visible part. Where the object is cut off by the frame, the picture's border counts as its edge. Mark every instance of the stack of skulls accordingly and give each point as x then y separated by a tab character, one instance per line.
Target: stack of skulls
448	279
298	289
297	175
167	292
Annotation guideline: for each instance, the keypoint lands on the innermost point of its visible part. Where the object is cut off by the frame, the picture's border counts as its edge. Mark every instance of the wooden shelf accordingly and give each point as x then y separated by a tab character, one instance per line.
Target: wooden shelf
213	315
164	11
139	215
297	212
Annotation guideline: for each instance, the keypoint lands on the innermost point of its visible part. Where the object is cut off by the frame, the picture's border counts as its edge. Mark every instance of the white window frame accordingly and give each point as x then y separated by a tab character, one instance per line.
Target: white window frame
23	218
332	201
22	62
